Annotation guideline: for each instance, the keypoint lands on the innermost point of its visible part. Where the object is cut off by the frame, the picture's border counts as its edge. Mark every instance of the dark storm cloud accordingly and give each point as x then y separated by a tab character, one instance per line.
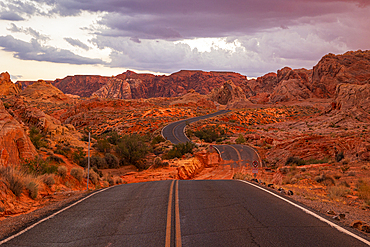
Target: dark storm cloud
77	43
168	19
35	51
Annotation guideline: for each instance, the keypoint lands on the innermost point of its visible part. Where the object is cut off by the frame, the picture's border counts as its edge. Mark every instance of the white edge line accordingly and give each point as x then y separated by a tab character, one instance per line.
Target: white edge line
339	228
49	217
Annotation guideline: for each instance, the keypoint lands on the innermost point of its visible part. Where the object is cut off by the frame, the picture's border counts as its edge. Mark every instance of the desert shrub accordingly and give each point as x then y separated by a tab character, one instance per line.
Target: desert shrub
78	155
103	146
132	150
180	149
113	138
365	167
295	160
96	161
77	173
337	191
239	176
93	176
54	158
62	171
158	139
14	179
324	179
110	180
363	189
38	166
211	133
49	180
339	156
111	160
240	139
100	173
37	138
33	189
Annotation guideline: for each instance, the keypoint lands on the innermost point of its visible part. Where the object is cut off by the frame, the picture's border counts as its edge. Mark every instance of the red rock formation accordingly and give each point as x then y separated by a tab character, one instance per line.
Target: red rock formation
227	93
15	145
115	89
351	67
353	100
292	85
81	85
7	87
42	90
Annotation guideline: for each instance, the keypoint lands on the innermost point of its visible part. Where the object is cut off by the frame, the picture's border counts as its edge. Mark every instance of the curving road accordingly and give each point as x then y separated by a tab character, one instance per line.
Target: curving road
184	213
175	131
240	155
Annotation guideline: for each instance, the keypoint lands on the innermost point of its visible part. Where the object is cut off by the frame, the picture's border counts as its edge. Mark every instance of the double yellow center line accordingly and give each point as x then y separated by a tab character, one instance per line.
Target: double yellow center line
177	216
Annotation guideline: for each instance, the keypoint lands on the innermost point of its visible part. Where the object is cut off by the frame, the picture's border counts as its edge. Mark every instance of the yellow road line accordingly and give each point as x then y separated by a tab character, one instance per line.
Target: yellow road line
169	218
177	216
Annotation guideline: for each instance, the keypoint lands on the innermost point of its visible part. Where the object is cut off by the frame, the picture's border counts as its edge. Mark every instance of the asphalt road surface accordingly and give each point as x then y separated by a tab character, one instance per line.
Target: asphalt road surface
175	131
184	213
241	155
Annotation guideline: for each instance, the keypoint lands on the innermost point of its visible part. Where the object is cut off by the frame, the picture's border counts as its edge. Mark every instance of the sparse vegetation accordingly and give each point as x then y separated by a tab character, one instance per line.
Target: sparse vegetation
62	171
180	149
37	138
132	150
77	173
38	166
211	133
33	189
240	139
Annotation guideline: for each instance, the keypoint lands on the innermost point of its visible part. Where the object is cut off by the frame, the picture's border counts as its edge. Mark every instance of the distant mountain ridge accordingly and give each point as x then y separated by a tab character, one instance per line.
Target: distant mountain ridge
286	85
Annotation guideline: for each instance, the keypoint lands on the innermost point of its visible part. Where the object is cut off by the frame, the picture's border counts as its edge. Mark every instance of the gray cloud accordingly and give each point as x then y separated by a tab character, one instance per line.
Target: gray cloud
76	42
35	51
30	31
10	16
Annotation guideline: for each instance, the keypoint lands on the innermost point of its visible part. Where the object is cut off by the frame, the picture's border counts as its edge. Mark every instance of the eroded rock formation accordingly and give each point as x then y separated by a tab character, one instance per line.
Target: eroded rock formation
7	87
15	145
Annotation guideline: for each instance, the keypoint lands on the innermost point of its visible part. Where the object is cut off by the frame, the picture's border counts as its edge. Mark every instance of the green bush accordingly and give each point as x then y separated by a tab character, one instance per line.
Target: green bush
180	149
211	133
103	146
77	173
113	138
37	138
93	176
158	139
240	139
95	161
111	160
132	150
54	158
38	166
78	155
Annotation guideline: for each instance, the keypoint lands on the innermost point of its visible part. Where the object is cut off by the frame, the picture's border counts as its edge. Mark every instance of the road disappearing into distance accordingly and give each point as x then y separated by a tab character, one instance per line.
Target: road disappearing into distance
186	213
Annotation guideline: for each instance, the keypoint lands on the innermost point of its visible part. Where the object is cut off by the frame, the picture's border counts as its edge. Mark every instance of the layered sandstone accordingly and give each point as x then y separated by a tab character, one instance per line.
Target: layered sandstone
15	145
351	67
227	93
7	87
115	89
353	100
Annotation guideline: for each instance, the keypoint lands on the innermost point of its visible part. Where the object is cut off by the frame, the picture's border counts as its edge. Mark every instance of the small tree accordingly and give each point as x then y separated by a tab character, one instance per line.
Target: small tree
132	150
111	160
240	139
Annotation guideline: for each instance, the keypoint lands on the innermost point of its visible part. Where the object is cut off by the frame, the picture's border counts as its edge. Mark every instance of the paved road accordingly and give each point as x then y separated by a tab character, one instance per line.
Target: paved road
175	131
240	154
184	213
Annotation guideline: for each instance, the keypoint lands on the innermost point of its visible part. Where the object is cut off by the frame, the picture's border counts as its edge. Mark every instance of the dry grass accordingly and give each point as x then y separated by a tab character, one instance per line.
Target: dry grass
364	191
336	192
62	171
77	173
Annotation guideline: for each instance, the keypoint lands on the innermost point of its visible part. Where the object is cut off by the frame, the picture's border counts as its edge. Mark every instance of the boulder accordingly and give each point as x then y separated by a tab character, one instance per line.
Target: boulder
7	87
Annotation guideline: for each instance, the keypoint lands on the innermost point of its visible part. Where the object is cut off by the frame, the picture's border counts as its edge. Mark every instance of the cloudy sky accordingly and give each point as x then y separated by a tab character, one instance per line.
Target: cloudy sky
51	39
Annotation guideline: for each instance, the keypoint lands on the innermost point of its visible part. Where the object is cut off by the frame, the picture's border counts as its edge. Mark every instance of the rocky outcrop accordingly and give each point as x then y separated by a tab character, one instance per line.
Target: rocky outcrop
15	145
292	85
44	91
81	85
7	87
115	89
52	127
227	93
353	100
351	67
